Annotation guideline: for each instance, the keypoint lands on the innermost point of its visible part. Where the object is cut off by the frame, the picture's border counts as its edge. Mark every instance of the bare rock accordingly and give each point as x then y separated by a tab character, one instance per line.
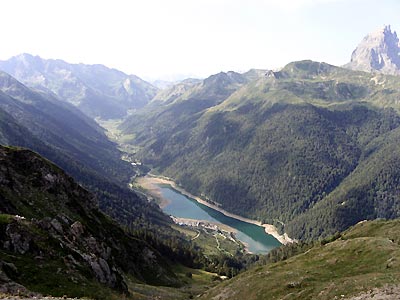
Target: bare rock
57	226
77	229
377	52
103	272
17	241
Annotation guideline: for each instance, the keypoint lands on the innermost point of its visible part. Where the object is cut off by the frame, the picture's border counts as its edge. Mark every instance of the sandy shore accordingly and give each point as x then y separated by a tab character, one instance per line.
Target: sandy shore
150	183
151	187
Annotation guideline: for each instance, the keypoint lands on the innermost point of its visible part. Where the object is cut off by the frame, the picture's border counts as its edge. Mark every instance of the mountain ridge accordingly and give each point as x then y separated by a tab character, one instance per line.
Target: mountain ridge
96	90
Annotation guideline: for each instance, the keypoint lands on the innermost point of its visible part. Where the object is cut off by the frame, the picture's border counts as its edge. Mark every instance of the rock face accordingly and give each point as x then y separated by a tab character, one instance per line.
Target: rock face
377	52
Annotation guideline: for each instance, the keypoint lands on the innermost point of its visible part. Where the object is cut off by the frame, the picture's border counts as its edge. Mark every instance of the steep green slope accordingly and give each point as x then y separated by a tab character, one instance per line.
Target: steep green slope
61	243
278	145
365	259
61	125
96	90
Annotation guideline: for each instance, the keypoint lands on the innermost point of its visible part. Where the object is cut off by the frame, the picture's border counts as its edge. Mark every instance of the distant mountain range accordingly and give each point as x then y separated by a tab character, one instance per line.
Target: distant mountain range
96	90
105	93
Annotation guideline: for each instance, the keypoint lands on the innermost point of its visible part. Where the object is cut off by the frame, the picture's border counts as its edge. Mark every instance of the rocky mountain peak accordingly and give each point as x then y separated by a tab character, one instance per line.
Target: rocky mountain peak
378	51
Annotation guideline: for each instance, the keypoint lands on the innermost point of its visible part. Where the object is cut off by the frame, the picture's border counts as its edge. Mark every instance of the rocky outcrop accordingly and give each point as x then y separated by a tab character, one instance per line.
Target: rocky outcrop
377	52
85	250
18	241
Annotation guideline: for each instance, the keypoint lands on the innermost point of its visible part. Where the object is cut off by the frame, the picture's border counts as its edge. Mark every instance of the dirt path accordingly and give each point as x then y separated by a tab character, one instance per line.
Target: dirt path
198	234
150	185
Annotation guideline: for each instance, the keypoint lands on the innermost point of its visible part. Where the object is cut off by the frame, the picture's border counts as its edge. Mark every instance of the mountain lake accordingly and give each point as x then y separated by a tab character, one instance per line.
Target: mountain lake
181	206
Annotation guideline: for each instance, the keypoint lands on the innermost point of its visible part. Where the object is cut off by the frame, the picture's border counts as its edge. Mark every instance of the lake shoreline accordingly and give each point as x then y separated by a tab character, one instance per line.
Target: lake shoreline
150	182
219	226
196	222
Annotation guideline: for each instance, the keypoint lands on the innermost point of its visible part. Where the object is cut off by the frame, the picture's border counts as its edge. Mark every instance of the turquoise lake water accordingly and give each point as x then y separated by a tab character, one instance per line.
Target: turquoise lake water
182	206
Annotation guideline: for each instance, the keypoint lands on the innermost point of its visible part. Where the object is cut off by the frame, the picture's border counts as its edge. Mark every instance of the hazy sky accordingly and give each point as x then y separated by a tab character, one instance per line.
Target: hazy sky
158	38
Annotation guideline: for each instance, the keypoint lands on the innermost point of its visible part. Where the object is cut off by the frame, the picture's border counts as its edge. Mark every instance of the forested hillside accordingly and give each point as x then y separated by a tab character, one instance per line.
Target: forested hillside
281	147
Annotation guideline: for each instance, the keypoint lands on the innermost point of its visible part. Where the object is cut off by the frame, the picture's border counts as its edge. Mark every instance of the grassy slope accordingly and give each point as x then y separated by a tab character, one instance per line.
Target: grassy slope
206	240
366	256
199	282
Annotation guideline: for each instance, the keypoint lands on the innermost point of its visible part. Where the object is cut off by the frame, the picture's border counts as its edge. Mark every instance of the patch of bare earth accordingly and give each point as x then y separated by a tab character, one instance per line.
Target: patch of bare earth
383	293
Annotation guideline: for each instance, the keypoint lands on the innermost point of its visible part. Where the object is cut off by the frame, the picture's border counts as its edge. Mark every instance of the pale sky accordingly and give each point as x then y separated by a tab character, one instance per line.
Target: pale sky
159	38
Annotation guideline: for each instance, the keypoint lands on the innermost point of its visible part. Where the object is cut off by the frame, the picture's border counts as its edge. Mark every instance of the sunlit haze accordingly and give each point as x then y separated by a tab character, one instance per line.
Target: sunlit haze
158	39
